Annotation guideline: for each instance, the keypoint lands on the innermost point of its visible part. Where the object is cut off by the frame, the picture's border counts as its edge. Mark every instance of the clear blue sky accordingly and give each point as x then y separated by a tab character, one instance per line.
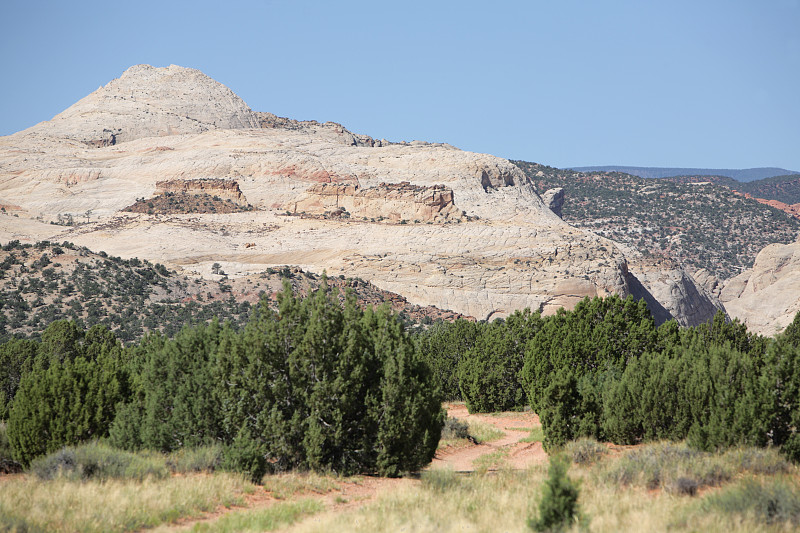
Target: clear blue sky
680	83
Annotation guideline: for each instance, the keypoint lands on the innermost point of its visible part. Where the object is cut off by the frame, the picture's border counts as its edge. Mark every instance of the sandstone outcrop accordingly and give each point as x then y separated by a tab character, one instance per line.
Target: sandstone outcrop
226	189
554	199
395	202
677	294
479	240
767	297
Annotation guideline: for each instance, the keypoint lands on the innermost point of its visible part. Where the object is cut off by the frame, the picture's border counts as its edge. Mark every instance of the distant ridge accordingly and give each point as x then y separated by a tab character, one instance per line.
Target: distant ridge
744	175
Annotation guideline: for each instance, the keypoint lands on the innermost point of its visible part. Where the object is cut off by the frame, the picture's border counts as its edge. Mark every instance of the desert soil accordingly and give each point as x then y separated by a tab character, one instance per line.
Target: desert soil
462	459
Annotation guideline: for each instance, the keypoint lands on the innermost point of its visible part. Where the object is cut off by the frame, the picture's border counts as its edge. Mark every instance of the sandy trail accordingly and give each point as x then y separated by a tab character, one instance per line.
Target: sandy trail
347	495
515	426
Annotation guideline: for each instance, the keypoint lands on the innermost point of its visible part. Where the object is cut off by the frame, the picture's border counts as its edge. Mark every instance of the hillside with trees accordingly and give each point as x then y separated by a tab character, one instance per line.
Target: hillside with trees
314	384
699	225
46	282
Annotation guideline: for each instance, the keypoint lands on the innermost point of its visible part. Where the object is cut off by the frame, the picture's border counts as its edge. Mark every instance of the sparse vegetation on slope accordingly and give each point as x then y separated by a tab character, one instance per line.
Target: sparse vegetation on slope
45	282
700	226
170	203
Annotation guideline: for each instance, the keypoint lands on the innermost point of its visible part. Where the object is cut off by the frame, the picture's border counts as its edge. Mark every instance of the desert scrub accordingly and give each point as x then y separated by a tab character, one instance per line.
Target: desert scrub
458	432
440	479
772	501
443	502
672	467
491	461
100	462
757	460
454	429
585	451
283	486
679	469
200	459
276	516
114	505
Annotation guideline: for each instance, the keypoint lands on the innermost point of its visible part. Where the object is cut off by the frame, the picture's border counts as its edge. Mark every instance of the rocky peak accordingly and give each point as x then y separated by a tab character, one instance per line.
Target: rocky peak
147	102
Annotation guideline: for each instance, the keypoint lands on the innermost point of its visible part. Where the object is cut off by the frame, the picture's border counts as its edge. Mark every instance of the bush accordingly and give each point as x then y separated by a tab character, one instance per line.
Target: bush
202	459
442	347
558	508
327	388
245	455
71	395
99	462
455	429
662	465
585	451
772	502
489	373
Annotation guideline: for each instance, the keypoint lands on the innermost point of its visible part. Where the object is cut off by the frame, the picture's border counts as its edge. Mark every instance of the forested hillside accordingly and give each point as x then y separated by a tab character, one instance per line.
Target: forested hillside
699	225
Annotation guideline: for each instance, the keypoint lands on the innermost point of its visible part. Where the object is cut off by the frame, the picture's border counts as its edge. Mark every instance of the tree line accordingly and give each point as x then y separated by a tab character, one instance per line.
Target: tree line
310	385
604	370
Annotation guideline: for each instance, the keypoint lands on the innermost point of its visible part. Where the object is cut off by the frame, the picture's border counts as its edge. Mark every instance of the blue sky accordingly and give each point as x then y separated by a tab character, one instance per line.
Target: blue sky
679	83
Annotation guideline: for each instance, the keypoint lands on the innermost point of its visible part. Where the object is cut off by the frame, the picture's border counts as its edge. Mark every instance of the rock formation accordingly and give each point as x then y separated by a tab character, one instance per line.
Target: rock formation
394	202
226	189
554	199
767	297
478	240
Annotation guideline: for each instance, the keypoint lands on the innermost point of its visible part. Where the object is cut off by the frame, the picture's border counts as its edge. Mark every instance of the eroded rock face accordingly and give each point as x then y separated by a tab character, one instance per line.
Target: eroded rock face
767	297
485	243
677	294
227	189
554	199
395	202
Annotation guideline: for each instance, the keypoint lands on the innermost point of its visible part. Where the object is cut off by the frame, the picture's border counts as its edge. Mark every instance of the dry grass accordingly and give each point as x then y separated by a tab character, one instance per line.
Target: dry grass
283	486
268	519
505	500
113	505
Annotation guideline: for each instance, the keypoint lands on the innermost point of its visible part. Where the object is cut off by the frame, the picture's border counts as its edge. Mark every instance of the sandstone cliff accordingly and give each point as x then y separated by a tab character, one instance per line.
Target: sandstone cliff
478	239
767	297
395	202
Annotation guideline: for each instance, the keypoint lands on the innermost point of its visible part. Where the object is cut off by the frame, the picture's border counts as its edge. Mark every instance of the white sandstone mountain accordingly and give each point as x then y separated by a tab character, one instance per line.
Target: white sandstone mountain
459	230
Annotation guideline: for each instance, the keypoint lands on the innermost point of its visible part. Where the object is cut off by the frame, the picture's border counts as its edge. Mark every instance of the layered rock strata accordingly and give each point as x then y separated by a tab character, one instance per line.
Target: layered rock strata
492	246
395	202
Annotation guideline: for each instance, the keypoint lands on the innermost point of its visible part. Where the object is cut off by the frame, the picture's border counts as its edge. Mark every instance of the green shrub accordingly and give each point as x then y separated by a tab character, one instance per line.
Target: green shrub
5	446
774	501
245	455
329	388
442	347
489	373
558	508
100	462
72	393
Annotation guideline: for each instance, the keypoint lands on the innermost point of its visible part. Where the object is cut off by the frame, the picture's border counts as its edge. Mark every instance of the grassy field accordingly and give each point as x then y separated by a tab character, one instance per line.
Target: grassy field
654	487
